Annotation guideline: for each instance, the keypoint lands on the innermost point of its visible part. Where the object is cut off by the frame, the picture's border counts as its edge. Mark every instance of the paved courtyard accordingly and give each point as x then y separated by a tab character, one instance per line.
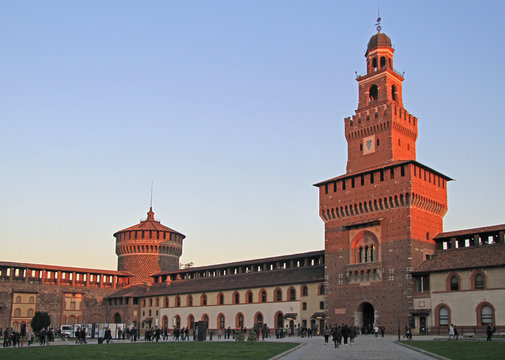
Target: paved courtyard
365	347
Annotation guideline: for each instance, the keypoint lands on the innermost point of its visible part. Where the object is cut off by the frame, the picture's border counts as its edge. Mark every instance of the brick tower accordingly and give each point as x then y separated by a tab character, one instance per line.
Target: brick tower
148	248
381	216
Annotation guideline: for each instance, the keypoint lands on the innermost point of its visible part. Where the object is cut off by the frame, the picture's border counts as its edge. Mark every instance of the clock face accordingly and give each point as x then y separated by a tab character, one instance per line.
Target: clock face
369	145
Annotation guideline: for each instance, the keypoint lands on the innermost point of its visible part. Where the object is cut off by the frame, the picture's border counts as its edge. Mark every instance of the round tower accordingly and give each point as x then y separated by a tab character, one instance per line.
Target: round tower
148	248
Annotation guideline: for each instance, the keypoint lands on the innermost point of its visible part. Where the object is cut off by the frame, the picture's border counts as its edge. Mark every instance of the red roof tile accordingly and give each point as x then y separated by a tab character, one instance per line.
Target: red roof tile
483	256
150	224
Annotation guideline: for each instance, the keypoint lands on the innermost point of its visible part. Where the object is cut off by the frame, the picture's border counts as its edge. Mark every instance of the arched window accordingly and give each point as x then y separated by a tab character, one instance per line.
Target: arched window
177	301
374	63
18	299
278	295
364	247
190	300
373	93
32	299
165	301
258	319
177	321
263	296
486	315
443	316
454	283
321	289
292	294
30	312
164	321
17	312
220	321
220	299
239	321
203	300
236	298
479	281
191	321
383	62
279	320
393	92
249	297
305	290
205	318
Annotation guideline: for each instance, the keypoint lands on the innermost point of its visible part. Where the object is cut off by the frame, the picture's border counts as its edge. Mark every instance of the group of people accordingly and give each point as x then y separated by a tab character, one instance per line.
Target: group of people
11	337
340	333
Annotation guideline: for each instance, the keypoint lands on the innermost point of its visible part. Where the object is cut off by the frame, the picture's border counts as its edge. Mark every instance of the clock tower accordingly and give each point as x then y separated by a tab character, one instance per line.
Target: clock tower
380	216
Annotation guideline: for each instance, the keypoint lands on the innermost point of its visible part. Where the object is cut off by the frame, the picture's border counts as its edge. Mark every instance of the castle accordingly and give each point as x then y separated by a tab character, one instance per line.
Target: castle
386	260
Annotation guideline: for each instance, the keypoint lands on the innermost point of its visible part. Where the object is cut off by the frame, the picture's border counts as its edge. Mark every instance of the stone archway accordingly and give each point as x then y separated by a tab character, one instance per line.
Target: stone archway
365	317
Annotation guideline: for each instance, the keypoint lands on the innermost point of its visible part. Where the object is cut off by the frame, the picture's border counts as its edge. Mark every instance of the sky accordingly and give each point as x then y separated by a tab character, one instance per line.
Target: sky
233	109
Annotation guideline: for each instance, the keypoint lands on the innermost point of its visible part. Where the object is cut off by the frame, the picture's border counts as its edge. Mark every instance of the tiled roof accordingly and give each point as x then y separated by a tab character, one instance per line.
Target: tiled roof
62	268
479	230
246	262
149	224
385	166
464	258
230	282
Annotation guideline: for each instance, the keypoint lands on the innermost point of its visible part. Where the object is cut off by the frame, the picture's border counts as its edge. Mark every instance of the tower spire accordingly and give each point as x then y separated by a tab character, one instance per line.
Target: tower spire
378	17
151	204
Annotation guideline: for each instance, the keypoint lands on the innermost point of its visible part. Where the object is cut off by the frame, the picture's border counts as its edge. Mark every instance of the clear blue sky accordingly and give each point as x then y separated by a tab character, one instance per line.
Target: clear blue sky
234	109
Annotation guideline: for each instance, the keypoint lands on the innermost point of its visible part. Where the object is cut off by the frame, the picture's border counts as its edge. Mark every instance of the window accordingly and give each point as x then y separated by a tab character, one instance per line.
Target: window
321	305
443	316
263	296
17	313
486	315
240	321
373	93
204	299
177	301
221	299
454	283
321	289
249	297
305	291
292	294
278	295
221	321
32	299
190	300
30	312
237	298
165	301
479	281
304	306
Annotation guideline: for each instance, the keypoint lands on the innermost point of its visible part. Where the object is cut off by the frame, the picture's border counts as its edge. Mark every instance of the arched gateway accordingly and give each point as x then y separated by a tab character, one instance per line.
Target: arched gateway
365	317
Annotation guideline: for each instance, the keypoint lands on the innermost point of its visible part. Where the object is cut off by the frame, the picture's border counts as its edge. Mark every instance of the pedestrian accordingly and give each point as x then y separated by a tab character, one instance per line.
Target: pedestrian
489	333
451	332
326	334
334	336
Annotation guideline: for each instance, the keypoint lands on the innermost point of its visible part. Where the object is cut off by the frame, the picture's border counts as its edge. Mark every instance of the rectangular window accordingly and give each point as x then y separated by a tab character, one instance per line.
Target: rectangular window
392	173
321	305
343	184
362	180
382	175
403	170
304	306
326	188
426	283
371	178
335	186
377	142
415	170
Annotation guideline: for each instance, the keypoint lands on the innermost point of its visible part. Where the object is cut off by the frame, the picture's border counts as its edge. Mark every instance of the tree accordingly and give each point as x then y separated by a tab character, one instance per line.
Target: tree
40	321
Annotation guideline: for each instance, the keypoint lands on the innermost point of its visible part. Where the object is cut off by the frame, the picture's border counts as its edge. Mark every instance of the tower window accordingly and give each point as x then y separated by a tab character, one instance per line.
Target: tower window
360	147
352	182
376	115
382	175
383	62
359	120
393	94
392	173
371	178
374	63
403	170
362	180
343	184
373	93
377	142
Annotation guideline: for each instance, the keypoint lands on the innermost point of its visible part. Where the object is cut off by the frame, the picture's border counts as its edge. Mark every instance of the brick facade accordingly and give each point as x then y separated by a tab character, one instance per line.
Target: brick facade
380	217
